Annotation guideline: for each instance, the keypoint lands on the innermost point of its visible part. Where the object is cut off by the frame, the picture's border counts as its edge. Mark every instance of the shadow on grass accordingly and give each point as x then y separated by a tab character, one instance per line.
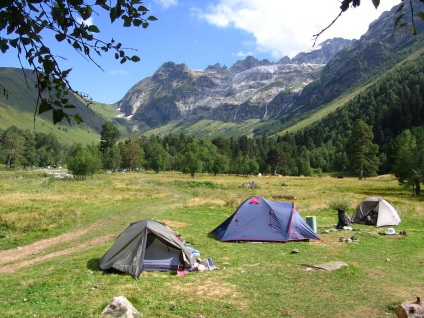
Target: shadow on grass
93	264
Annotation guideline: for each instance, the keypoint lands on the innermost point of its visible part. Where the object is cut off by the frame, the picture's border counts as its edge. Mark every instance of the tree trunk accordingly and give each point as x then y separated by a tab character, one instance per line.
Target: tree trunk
9	160
410	309
361	172
417	187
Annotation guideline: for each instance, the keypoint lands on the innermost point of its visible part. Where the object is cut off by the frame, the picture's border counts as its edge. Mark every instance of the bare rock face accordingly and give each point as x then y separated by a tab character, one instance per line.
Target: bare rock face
120	307
250	89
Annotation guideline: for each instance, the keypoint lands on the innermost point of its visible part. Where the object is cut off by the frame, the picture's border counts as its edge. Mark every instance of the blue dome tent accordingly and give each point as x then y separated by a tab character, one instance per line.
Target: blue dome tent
261	220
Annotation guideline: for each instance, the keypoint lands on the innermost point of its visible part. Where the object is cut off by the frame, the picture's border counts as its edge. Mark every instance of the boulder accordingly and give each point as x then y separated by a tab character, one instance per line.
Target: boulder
120	307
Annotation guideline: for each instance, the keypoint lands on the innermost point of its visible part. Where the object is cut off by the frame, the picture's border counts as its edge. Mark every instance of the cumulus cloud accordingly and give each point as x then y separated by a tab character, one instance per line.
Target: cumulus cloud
167	3
89	21
284	28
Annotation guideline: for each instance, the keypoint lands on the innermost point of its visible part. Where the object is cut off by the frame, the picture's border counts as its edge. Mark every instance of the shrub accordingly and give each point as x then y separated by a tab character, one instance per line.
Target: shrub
339	204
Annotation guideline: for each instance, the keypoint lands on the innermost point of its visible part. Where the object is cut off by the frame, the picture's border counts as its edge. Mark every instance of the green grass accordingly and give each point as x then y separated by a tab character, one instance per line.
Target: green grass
255	280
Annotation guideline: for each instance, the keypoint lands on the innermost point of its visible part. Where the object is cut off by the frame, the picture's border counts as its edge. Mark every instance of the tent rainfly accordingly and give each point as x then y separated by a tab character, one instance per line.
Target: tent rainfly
375	211
147	245
261	220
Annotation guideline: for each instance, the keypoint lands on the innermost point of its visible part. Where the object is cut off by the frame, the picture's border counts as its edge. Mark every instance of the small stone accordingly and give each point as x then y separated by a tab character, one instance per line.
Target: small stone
387	260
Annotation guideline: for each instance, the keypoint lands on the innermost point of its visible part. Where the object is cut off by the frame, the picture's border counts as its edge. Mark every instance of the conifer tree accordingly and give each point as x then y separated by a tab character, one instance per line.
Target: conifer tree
362	152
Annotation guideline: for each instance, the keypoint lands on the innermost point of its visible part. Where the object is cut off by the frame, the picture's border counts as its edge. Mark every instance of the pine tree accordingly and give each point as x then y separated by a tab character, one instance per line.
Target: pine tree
362	152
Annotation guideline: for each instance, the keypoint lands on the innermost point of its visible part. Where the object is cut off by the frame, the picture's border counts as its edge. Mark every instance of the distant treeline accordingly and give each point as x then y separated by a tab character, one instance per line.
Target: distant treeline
392	109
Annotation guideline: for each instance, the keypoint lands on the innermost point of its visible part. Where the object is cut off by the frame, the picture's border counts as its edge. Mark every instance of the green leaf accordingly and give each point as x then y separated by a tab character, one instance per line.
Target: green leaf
399	8
93	28
13	42
152	18
137	22
26	41
76	45
376	3
58	115
127	21
43	107
135	58
3	46
32	8
398	19
414	31
85	12
78	119
60	37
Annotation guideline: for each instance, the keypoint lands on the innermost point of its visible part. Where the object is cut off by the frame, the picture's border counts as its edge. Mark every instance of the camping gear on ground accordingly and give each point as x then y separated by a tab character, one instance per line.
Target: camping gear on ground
312	222
376	211
344	220
147	245
390	231
261	220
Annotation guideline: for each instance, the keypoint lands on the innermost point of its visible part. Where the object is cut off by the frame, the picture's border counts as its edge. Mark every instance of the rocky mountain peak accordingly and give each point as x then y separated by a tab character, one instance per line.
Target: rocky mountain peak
322	53
250	88
248	63
169	71
216	67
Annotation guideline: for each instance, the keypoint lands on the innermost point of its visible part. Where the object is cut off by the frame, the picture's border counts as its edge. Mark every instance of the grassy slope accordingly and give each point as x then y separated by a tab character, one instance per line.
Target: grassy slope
24	119
19	106
65	133
255	280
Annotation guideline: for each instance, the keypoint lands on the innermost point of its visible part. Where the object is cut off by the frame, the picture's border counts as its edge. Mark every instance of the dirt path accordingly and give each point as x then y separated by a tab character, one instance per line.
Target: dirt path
14	259
20	257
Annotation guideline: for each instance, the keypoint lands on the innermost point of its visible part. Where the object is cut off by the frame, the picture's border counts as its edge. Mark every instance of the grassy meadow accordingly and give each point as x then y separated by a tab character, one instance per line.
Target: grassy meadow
68	225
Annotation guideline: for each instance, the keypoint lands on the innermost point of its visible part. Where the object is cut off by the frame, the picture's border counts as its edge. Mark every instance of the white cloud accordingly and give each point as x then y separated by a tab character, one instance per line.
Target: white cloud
167	3
244	54
89	21
284	28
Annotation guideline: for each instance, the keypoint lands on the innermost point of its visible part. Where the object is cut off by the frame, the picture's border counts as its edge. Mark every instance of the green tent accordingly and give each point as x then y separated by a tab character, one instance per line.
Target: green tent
147	245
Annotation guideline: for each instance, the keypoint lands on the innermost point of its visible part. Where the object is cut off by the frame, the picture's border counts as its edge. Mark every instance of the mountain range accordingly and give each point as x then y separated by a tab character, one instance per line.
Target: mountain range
250	97
263	95
248	89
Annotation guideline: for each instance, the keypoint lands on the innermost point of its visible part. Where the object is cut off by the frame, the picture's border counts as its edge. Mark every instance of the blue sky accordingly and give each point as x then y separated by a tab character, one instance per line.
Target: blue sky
202	33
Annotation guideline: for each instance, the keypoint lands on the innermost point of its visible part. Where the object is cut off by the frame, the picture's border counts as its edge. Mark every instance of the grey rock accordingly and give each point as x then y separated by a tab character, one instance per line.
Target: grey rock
120	307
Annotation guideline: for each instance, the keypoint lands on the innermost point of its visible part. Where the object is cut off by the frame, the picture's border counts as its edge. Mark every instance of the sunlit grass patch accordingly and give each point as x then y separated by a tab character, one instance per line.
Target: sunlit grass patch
254	280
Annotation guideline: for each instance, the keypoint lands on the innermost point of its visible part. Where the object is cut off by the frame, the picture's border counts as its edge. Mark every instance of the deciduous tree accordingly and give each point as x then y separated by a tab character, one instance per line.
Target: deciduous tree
83	161
132	153
26	26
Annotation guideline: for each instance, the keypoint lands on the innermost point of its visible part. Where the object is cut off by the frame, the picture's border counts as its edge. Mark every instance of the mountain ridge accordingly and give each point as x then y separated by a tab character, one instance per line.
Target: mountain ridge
174	92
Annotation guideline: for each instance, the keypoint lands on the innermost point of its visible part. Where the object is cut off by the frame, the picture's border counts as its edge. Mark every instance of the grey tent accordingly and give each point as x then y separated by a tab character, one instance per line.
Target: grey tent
147	245
376	211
